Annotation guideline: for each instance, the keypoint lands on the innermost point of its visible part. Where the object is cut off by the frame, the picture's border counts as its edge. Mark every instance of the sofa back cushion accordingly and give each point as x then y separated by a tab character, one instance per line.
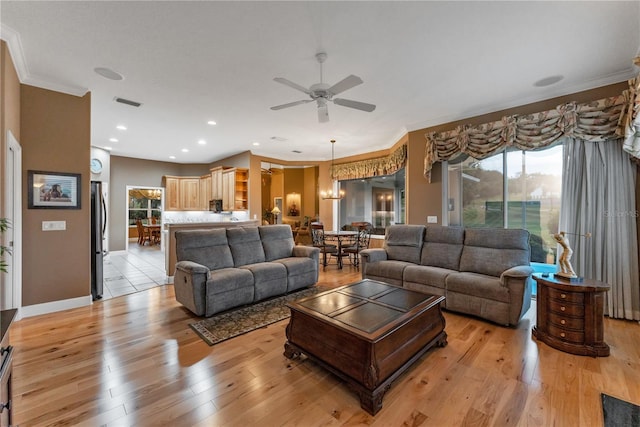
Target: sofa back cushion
442	247
277	241
491	251
245	245
404	242
207	247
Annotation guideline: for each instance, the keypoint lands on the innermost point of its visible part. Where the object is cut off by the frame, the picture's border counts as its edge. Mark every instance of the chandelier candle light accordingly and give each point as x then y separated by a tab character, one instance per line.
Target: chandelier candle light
328	195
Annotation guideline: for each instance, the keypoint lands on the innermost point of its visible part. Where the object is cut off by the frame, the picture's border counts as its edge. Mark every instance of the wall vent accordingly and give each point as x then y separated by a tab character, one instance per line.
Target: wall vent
296	151
128	102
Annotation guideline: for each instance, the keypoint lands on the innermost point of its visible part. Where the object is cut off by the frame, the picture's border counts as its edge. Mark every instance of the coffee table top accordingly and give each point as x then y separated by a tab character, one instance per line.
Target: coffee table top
367	307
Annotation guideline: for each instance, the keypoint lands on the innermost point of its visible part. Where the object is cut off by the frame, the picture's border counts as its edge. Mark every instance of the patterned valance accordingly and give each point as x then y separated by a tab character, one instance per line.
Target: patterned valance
371	167
600	120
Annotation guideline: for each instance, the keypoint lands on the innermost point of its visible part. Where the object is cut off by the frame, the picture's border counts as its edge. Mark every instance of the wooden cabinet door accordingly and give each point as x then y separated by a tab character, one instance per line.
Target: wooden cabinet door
228	189
172	193
190	194
205	192
216	183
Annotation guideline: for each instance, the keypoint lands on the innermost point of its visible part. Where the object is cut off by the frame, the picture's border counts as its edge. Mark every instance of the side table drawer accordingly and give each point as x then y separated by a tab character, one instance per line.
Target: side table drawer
566	321
566	335
566	309
570	297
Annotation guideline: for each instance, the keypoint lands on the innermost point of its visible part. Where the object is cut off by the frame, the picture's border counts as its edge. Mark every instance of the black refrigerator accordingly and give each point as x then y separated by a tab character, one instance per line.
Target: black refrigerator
98	227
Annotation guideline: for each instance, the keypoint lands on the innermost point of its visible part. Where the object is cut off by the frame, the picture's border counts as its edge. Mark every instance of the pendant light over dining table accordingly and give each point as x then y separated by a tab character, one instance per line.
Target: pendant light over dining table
329	194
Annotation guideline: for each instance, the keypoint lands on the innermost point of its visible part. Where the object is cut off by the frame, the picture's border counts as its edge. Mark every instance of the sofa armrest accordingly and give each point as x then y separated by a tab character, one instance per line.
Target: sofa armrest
373	255
306	251
368	256
518	272
190	285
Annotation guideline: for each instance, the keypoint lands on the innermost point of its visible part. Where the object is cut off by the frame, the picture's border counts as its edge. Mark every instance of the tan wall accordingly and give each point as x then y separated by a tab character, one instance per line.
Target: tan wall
310	196
140	173
56	137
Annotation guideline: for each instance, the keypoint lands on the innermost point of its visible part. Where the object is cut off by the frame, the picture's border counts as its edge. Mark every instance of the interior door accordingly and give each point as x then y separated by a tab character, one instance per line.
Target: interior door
12	291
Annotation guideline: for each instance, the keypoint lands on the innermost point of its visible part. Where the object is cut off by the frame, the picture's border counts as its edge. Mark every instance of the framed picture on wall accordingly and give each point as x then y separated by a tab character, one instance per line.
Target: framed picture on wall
53	190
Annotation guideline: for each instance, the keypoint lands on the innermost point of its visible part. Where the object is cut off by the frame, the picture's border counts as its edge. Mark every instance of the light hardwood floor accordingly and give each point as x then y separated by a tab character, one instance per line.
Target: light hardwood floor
133	360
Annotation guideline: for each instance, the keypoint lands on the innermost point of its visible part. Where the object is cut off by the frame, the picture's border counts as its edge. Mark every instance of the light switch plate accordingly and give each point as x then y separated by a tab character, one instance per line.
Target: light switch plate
54	225
432	219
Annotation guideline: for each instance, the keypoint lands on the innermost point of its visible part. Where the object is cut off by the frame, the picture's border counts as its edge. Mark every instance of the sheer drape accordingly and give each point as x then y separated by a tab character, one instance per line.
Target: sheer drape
598	196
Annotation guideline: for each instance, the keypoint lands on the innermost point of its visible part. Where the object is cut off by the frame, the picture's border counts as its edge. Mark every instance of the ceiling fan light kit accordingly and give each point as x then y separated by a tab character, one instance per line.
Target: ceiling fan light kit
323	93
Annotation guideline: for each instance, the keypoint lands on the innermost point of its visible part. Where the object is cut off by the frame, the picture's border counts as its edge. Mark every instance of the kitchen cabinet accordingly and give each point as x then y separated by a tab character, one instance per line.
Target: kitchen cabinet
172	193
235	189
216	183
190	194
206	192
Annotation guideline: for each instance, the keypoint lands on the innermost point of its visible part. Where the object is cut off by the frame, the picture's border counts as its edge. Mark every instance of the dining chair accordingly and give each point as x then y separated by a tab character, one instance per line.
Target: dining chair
143	235
362	242
317	237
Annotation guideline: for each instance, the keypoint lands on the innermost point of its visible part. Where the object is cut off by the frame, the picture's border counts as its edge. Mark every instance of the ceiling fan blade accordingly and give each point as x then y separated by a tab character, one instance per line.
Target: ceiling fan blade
323	113
292	84
291	104
355	104
344	84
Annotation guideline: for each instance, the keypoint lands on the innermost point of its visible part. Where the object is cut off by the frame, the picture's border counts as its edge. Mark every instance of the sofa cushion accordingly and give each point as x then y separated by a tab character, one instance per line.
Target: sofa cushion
277	241
245	245
269	278
493	250
390	271
301	272
229	280
207	247
404	242
426	275
479	285
442	246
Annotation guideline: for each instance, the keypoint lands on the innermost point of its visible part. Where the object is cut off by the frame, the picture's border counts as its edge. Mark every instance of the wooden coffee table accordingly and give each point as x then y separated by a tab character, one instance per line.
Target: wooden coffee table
367	333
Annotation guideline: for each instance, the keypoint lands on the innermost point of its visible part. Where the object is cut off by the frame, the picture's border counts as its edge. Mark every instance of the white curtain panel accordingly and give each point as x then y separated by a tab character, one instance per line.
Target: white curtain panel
598	197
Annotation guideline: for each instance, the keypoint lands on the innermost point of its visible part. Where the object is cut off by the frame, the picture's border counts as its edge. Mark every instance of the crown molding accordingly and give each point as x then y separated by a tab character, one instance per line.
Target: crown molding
12	38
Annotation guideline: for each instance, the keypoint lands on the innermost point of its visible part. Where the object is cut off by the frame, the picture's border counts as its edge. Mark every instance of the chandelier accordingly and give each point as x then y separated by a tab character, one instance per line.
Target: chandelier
328	194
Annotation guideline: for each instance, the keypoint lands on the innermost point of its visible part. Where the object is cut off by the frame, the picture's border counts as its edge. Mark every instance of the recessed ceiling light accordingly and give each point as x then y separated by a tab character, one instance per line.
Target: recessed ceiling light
113	139
256	144
108	73
202	142
172	157
108	148
548	81
211	122
184	150
121	127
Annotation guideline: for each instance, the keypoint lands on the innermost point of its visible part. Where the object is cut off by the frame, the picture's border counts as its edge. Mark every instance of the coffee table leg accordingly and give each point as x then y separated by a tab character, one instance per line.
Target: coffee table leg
290	352
372	401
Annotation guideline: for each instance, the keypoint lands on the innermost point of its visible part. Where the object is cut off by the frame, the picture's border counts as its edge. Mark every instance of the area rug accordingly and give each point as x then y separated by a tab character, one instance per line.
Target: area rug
618	413
246	319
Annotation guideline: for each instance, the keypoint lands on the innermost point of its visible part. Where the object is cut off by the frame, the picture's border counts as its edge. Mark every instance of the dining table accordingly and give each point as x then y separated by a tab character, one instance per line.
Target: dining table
154	232
343	238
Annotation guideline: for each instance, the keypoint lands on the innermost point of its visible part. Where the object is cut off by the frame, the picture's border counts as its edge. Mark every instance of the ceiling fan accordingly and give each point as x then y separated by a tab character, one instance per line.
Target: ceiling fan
323	93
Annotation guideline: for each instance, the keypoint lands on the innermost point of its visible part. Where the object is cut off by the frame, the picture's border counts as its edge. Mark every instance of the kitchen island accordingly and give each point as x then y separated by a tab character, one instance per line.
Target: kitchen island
171	228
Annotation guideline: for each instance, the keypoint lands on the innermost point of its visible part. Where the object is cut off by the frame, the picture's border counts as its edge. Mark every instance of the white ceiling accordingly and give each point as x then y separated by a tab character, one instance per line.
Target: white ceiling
423	63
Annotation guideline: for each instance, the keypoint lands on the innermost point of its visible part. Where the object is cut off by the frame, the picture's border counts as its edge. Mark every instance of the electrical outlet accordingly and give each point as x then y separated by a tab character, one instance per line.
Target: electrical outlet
432	219
54	225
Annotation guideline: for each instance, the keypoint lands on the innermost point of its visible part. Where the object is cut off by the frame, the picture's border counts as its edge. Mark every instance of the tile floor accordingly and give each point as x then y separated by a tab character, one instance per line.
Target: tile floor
139	268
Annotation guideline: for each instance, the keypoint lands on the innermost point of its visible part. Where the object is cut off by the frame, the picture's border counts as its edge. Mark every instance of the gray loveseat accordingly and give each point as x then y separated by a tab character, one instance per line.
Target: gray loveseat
219	269
482	272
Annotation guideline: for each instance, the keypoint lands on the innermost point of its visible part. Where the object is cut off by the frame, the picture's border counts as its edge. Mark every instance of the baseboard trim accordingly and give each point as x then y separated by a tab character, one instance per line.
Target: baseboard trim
51	307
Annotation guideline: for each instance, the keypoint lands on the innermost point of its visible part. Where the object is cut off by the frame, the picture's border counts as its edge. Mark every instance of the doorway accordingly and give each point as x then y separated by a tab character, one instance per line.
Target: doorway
12	289
147	205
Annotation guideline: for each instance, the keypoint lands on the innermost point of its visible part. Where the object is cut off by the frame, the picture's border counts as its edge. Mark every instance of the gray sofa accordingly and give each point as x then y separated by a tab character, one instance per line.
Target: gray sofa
219	269
482	272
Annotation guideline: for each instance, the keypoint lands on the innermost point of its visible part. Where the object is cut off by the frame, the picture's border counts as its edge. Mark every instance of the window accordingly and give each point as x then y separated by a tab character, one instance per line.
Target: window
144	204
378	200
529	182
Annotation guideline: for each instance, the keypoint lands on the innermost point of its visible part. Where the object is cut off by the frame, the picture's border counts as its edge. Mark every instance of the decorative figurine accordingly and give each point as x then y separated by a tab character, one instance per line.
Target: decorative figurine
566	269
